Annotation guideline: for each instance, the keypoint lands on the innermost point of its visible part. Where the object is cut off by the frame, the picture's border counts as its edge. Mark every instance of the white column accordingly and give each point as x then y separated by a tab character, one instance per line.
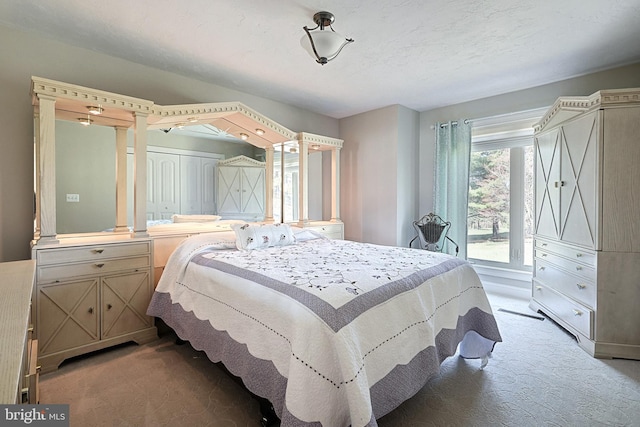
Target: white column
140	176
335	184
121	179
303	179
268	205
46	175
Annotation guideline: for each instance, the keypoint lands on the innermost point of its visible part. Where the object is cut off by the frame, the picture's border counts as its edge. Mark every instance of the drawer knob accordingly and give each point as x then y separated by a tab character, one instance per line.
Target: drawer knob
109	306
544	255
544	244
99	265
98	251
581	286
578	268
577	312
541	268
538	288
91	310
578	255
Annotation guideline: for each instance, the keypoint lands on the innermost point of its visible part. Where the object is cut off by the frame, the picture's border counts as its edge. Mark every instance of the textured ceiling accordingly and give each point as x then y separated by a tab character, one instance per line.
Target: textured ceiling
422	54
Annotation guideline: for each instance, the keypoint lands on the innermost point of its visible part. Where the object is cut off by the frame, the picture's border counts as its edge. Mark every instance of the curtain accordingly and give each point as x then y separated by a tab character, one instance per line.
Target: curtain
453	156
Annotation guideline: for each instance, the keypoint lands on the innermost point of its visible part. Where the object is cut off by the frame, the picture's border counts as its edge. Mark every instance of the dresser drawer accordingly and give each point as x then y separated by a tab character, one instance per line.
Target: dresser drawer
573	286
64	271
566	309
582	256
91	253
585	271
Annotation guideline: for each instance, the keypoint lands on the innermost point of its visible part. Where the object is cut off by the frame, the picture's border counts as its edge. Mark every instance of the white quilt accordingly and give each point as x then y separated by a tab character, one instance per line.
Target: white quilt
334	317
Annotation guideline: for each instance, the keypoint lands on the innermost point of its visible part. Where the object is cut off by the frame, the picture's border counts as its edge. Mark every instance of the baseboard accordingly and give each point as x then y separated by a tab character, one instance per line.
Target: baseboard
507	290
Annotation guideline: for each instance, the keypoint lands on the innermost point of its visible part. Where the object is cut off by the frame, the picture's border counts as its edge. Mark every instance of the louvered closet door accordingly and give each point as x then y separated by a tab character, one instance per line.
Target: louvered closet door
253	190
547	198
229	186
579	176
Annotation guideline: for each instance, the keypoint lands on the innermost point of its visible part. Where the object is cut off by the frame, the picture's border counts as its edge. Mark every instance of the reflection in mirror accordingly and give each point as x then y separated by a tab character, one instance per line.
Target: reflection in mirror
86	170
285	182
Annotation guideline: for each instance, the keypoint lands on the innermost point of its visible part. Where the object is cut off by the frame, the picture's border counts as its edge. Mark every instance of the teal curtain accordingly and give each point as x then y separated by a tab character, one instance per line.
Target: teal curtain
453	155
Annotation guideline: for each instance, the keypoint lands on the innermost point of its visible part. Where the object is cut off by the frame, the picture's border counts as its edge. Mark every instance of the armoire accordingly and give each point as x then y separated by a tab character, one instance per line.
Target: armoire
587	220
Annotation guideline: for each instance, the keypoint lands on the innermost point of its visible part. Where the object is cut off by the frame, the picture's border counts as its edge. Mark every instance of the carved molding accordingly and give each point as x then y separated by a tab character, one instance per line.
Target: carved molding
59	90
580	104
311	138
242	161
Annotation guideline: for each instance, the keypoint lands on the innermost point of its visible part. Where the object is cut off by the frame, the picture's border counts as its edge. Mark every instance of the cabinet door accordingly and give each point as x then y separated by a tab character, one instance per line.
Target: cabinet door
125	299
252	193
578	177
67	315
547	197
229	186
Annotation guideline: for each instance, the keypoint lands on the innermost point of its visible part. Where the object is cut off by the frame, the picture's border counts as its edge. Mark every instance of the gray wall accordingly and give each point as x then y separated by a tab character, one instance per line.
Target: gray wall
25	55
378	175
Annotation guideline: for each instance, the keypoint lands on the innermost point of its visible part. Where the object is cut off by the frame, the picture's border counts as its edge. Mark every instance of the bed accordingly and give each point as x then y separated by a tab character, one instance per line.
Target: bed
331	332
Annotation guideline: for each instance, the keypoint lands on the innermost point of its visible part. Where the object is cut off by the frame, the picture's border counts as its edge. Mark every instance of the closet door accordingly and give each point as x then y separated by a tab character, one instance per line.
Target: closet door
190	185
208	167
163	185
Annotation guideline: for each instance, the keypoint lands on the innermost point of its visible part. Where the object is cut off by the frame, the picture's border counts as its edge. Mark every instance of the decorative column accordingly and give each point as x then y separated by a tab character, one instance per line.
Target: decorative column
303	180
335	184
46	170
121	179
268	205
140	176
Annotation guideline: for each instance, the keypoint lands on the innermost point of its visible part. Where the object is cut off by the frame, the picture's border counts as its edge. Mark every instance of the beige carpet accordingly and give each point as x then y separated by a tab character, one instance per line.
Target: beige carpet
537	377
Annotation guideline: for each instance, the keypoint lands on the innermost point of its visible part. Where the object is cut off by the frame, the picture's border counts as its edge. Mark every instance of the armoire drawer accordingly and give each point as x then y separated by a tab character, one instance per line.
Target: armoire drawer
575	287
566	309
91	253
64	271
582	256
587	272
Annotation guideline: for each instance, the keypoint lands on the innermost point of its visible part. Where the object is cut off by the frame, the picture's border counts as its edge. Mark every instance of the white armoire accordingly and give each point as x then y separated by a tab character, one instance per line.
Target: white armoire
587	220
241	189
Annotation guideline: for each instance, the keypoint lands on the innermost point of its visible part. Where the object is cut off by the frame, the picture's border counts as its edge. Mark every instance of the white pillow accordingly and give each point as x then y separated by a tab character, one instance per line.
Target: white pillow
194	218
262	236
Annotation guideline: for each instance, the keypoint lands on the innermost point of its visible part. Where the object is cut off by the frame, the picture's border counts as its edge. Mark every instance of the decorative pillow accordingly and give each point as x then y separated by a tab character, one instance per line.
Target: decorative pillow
194	218
258	236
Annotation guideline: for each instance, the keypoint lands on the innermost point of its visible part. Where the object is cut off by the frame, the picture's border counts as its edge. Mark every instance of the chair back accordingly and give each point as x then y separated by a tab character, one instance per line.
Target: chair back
432	232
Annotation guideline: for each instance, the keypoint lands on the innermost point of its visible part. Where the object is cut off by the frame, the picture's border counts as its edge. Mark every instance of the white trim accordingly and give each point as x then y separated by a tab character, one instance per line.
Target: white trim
514	283
181	152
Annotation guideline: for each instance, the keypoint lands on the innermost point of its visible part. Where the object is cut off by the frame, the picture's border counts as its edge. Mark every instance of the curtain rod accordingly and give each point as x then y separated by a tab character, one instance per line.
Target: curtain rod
454	123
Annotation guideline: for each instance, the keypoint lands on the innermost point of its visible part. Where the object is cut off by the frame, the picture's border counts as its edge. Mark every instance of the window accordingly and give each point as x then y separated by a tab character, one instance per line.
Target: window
500	212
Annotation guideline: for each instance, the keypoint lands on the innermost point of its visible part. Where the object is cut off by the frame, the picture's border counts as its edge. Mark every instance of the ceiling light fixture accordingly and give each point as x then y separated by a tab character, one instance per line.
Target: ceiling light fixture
323	45
95	110
192	119
259	132
315	146
244	136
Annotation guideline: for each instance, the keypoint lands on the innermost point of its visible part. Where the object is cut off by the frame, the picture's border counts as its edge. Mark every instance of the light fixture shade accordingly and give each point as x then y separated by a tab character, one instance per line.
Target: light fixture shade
328	43
322	42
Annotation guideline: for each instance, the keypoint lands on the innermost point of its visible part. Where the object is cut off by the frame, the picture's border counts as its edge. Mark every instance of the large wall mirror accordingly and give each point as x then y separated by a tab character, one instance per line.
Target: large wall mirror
88	146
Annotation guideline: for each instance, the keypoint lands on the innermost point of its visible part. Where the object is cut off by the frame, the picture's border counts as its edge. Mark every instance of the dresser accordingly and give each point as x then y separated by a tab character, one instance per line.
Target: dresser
587	220
18	350
90	296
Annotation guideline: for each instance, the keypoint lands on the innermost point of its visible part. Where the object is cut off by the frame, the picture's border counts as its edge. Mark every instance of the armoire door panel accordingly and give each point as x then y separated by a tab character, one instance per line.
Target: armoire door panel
578	176
229	190
547	184
253	190
71	313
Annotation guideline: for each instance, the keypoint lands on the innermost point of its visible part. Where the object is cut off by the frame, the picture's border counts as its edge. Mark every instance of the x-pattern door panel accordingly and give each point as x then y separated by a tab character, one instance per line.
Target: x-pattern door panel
71	313
124	303
229	190
547	184
578	177
253	190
